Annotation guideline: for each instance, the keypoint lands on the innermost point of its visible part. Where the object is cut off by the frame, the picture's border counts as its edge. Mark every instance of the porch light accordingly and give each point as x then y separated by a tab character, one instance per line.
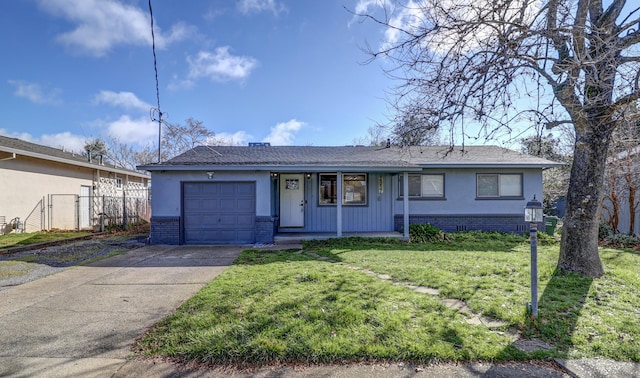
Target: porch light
533	215
533	211
274	174
210	175
308	176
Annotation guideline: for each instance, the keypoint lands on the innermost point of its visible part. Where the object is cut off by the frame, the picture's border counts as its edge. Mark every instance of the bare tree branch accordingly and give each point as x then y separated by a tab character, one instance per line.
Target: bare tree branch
469	63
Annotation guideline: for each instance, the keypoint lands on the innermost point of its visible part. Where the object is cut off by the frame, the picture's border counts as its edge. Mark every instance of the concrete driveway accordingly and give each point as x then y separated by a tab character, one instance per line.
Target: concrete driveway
84	320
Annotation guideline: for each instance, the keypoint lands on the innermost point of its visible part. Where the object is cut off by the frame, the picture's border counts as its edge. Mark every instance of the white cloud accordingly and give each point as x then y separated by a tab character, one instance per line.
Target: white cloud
220	65
257	6
283	133
401	17
177	83
34	92
239	138
102	24
67	141
364	7
414	15
20	135
126	100
139	131
133	131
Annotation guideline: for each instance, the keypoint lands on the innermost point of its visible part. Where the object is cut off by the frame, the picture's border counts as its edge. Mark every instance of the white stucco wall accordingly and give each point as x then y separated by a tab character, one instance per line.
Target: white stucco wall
166	189
25	181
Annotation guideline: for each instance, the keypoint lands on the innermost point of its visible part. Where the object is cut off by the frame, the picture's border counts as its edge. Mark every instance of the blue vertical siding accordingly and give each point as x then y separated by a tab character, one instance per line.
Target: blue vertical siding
377	215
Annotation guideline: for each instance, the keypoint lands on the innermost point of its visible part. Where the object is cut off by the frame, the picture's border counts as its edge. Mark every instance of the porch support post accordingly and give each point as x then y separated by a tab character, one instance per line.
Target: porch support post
339	204
405	204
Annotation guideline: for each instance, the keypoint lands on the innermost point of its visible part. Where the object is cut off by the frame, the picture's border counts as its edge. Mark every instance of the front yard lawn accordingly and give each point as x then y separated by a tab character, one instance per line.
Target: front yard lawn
12	240
287	306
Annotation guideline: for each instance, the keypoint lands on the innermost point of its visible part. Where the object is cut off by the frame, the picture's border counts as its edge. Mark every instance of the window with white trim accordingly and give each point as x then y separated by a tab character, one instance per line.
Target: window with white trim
118	183
423	185
354	189
495	185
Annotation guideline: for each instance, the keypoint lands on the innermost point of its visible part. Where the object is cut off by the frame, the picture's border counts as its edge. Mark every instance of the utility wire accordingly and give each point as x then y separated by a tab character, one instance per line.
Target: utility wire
155	68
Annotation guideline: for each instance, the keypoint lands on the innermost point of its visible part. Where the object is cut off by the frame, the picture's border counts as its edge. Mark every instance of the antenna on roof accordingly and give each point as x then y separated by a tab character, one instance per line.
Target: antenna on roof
157	110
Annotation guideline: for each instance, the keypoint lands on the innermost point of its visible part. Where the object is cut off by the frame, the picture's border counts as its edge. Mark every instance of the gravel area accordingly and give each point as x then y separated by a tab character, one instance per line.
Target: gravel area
24	266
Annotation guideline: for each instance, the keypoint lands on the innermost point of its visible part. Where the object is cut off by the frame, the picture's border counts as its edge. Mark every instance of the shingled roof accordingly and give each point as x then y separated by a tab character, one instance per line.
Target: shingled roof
416	157
24	148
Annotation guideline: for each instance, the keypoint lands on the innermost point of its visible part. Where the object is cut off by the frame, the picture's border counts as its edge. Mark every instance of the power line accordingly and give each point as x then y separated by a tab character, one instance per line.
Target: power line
155	68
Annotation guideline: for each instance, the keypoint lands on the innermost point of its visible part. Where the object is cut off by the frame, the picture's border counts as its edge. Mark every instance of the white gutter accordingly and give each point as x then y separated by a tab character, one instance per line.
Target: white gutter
279	168
71	162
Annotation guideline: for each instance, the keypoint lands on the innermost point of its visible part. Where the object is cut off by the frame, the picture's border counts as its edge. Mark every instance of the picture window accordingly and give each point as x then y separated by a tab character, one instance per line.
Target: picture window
494	185
423	185
354	189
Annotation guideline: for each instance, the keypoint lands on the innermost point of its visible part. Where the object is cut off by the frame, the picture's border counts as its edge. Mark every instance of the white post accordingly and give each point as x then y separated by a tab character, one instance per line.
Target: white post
405	203
339	204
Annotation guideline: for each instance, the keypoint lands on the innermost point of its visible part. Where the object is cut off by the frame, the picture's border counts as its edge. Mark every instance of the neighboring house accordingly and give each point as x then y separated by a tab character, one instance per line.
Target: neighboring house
249	194
622	192
44	188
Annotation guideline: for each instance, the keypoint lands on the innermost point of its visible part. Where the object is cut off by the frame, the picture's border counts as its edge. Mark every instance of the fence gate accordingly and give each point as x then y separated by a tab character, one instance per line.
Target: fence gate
84	208
34	222
85	211
63	211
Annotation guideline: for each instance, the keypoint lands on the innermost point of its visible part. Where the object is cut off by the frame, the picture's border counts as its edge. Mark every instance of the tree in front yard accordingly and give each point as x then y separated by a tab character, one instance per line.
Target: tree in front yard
492	65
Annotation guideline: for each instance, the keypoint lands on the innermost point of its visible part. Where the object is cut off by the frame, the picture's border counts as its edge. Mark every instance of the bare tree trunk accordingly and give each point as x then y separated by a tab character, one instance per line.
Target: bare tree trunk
579	245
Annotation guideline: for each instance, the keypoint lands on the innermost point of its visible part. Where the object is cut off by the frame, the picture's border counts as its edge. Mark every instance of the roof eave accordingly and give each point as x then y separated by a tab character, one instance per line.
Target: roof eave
492	165
279	168
74	162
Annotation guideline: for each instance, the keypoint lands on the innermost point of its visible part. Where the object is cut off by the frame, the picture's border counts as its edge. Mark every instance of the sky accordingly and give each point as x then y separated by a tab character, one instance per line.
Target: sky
288	72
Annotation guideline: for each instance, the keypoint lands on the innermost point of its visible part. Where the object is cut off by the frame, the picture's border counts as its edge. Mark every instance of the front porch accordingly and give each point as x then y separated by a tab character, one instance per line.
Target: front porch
297	237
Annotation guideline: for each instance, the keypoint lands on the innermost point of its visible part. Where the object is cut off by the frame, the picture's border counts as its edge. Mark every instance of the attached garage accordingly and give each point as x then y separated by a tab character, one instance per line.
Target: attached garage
219	212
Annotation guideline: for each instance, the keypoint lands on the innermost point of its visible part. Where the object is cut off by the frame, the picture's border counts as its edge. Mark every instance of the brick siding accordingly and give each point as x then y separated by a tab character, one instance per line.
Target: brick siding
265	229
514	224
165	230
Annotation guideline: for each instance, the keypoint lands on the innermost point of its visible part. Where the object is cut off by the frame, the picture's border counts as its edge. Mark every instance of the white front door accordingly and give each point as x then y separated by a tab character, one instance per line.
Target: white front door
292	200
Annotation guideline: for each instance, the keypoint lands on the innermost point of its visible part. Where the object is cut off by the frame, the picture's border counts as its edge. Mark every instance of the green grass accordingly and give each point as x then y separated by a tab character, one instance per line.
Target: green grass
286	307
9	269
100	258
12	240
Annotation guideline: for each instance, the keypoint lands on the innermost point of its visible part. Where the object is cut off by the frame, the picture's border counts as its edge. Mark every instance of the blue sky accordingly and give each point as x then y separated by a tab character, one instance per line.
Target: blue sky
288	72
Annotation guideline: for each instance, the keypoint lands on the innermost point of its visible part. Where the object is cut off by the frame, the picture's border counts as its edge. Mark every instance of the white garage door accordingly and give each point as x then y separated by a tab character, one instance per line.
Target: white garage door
219	212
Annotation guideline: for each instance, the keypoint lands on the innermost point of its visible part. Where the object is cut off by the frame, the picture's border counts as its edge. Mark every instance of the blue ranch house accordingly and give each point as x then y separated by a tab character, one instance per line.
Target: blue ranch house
257	193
